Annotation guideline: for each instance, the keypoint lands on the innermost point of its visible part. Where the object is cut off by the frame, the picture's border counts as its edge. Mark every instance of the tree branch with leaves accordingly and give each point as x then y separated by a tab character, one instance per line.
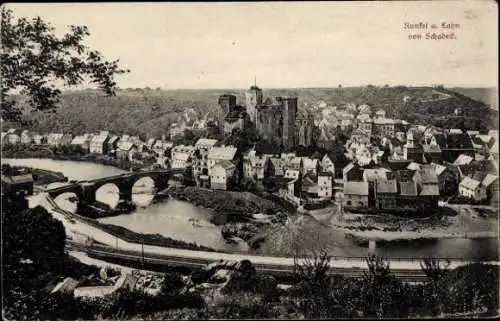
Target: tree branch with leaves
33	58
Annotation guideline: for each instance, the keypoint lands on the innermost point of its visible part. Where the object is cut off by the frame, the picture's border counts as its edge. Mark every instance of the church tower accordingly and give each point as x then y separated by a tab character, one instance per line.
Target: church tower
253	98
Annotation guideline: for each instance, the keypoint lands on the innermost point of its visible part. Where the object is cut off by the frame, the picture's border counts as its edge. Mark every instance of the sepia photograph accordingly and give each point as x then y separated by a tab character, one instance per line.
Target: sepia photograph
249	160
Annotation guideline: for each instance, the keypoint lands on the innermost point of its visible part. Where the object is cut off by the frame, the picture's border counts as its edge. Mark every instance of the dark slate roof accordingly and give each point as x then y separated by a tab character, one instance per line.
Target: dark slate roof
356	188
479	175
430	190
454	141
282	181
466	169
396	165
387	187
428	174
408	188
404	175
428	148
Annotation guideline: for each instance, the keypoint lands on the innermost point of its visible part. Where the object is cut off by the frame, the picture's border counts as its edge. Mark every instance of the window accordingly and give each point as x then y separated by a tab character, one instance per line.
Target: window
348	203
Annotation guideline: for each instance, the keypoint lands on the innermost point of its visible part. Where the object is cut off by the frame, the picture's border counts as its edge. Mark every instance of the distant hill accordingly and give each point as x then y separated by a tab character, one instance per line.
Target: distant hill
488	96
150	112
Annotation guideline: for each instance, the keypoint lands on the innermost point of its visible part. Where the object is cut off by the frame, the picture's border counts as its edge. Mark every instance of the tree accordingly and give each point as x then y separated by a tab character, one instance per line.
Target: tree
33	57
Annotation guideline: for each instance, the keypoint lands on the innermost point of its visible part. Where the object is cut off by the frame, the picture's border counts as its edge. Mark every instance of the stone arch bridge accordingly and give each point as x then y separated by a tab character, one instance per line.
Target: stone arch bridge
86	190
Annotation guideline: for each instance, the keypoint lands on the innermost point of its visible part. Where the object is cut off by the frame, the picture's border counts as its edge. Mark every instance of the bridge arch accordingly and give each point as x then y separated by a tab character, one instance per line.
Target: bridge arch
144	189
68	201
108	193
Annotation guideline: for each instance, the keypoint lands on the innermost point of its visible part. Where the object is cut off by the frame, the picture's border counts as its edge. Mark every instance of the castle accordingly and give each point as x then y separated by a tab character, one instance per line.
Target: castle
278	121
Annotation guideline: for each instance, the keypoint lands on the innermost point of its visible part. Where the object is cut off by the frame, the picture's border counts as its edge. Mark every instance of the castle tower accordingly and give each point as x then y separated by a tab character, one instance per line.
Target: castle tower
289	112
253	98
227	104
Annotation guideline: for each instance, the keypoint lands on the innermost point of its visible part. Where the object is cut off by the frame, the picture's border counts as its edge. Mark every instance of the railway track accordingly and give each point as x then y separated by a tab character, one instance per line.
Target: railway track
104	252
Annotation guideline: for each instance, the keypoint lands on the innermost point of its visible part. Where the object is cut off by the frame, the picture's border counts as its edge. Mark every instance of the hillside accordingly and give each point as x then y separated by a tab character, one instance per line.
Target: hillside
488	96
150	112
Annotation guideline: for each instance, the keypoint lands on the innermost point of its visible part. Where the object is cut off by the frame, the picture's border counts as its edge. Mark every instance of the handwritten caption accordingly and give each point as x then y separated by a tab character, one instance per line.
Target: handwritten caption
431	31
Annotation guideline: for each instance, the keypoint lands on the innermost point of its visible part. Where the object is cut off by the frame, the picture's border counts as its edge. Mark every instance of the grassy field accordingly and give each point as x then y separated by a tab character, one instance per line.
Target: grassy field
150	112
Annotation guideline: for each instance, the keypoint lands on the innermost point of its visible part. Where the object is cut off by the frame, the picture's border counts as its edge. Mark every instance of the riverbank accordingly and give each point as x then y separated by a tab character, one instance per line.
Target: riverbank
65	154
42	177
459	222
119	232
243	215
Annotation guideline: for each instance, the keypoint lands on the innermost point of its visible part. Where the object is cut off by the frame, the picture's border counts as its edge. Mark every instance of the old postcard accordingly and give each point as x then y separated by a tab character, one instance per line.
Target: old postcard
257	160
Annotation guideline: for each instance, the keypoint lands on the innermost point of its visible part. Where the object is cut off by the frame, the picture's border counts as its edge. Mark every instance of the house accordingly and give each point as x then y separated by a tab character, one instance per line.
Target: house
386	194
222	153
222	174
447	179
83	141
257	166
12	137
292	173
326	138
289	188
26	137
176	130
138	143
99	143
309	185
296	163
39	139
126	151
432	153
396	164
352	172
278	165
472	188
310	165
54	139
161	147
463	159
453	144
202	147
413	150
113	144
408	195
150	143
181	156
327	165
325	184
373	175
491	184
355	195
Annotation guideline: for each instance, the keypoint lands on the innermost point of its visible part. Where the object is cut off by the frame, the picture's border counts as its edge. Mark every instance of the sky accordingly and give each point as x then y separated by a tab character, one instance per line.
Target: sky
297	44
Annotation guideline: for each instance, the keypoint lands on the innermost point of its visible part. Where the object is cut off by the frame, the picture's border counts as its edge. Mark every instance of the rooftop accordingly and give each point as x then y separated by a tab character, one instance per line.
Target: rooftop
356	188
469	183
387	187
205	142
408	188
223	152
463	159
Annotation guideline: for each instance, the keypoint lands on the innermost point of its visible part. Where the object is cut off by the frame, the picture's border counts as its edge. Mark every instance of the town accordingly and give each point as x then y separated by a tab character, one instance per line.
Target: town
384	165
146	174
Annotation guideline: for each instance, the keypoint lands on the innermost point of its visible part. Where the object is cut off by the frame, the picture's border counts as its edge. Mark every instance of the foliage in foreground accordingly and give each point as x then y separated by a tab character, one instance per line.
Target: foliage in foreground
32	234
33	56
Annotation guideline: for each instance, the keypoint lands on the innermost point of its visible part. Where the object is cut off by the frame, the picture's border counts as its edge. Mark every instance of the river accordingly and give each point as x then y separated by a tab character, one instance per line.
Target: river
183	221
